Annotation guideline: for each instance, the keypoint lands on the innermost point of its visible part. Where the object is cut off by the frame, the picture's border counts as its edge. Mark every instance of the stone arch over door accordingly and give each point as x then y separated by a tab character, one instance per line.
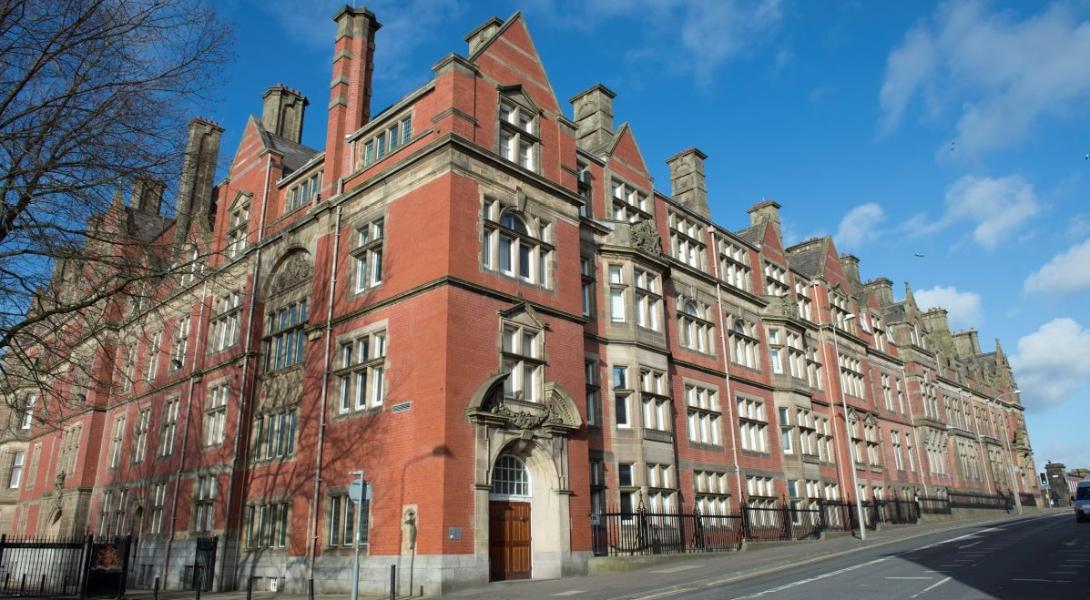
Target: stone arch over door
537	434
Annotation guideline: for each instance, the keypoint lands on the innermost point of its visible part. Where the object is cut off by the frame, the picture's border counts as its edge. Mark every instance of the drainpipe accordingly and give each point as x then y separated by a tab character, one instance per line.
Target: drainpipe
194	372
829	390
726	369
916	445
249	382
1016	489
312	534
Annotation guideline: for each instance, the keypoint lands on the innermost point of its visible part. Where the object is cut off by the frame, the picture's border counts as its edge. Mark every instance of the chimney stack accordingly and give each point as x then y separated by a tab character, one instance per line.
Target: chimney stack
593	110
282	112
882	289
936	320
350	90
198	173
147	195
484	32
967	343
688	185
766	211
850	264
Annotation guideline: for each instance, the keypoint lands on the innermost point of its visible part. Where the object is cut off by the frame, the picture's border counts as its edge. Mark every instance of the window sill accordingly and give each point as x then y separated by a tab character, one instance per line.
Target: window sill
705	446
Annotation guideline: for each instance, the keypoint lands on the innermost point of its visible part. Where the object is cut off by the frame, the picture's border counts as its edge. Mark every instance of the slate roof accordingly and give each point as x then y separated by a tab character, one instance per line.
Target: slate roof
295	154
894	312
752	234
808	257
145	226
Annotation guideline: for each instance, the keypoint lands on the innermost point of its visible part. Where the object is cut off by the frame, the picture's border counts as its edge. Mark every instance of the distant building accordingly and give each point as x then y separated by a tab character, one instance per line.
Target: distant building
487	307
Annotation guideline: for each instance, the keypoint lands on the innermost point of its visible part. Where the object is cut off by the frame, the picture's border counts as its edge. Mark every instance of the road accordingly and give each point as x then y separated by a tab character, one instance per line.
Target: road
1040	557
1048	557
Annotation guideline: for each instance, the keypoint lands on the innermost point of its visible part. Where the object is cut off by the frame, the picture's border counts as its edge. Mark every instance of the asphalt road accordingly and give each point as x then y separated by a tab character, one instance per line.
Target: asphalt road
1043	558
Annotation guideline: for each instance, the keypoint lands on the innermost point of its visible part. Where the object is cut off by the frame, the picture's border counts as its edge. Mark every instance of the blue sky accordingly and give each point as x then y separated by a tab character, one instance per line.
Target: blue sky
956	130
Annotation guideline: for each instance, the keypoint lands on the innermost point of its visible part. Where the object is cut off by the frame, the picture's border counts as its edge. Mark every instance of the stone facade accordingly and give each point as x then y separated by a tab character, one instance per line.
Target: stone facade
471	277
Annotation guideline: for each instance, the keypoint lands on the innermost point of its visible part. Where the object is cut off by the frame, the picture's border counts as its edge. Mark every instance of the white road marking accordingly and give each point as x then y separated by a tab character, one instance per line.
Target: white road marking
813	579
930	587
677	569
969	545
570	593
1042	580
1071	543
959	538
928	578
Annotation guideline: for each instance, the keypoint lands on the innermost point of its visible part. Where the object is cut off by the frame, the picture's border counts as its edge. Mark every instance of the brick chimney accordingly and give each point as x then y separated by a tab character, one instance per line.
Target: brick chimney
484	32
198	172
766	211
147	195
688	185
593	111
350	90
282	112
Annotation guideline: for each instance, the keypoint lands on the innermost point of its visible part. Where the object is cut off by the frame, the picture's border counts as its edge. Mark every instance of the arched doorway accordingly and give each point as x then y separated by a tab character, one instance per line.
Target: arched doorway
509	520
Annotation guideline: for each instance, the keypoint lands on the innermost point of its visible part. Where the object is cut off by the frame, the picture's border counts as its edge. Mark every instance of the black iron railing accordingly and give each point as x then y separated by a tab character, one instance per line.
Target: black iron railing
59	567
976	500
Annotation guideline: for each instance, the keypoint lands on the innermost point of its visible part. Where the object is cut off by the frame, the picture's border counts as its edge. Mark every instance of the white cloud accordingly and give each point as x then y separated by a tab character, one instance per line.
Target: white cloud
963	308
690	36
999	74
995	206
860	225
310	23
1052	362
1066	272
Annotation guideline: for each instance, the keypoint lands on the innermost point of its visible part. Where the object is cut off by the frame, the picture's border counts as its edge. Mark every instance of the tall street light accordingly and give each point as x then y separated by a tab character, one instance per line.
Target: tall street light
847	434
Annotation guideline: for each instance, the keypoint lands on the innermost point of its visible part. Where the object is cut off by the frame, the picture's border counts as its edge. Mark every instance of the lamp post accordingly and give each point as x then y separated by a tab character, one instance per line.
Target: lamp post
356	493
848	437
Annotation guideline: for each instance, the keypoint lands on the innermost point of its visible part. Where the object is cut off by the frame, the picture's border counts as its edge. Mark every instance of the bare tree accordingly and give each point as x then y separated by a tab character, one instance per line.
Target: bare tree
94	96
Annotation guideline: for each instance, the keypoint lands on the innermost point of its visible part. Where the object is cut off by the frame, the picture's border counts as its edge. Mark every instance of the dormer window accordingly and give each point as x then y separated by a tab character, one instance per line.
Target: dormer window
303	193
518	135
238	223
387	140
629	203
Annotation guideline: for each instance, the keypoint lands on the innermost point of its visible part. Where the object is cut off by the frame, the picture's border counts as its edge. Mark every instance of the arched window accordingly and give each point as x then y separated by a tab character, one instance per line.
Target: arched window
509	477
694	330
516	246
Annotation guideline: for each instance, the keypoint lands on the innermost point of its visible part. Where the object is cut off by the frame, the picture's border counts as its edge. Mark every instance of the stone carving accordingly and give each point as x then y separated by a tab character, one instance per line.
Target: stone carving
520	419
295	270
645	237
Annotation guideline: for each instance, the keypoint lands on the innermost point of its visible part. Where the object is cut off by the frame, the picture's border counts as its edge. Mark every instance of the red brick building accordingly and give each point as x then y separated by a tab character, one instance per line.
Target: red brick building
485	306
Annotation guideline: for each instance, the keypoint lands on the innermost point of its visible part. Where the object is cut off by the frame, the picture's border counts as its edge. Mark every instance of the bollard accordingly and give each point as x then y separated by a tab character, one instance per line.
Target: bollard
310	588
155	589
393	582
198	583
250	588
41	588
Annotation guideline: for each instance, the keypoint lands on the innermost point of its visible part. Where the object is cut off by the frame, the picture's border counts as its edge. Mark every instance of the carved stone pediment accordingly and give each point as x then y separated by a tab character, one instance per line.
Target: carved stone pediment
295	270
557	413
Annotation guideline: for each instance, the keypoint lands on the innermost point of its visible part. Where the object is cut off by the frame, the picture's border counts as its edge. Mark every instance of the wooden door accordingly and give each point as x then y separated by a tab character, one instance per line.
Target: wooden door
509	539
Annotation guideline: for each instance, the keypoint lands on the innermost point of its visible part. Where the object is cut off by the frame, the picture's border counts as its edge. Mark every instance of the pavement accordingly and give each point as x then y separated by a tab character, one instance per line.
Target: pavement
1035	556
1042	555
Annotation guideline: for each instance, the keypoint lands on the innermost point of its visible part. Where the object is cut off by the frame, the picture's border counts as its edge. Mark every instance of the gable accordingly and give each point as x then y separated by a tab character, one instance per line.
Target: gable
625	149
510	57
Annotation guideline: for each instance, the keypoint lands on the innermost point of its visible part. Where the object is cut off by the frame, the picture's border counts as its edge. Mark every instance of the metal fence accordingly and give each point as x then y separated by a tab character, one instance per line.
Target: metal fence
56	567
933	505
975	500
1028	499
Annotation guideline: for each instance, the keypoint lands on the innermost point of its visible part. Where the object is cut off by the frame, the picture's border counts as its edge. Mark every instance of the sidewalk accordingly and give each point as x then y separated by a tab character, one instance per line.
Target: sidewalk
682	570
655	574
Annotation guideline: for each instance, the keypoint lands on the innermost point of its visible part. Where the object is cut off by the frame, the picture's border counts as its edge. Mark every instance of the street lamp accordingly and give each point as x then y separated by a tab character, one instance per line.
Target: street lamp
356	492
848	438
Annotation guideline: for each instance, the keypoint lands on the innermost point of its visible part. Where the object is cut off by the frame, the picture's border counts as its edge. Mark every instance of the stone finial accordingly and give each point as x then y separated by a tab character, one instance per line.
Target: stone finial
482	34
688	185
593	110
282	112
766	211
